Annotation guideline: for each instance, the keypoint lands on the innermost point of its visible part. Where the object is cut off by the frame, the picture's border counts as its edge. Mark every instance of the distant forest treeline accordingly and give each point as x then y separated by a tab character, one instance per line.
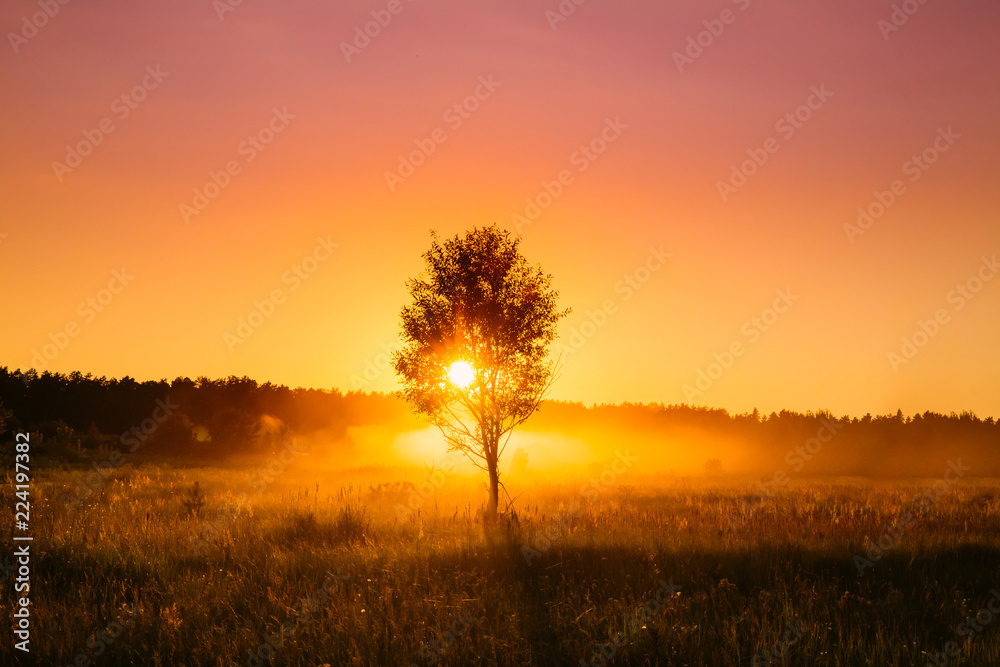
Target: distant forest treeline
214	419
203	417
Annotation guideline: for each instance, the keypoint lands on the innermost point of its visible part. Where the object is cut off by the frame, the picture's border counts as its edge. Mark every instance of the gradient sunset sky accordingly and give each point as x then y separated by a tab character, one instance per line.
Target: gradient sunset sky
338	119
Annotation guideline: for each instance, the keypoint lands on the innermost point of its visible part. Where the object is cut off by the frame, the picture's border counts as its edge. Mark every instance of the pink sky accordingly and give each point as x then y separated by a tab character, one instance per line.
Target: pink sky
342	125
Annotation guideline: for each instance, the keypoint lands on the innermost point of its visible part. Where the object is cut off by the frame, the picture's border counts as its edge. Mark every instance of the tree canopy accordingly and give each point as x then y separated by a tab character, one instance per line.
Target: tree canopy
480	305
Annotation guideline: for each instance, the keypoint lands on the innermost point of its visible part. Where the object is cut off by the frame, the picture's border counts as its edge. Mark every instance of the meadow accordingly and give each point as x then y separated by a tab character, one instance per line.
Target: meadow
162	564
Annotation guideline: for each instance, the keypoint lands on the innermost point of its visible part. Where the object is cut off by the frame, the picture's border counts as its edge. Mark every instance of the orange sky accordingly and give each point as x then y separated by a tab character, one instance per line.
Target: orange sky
198	86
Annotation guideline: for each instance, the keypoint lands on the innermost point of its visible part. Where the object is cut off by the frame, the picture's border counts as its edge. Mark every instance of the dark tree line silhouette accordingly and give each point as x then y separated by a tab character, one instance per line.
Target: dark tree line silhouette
201	417
807	444
234	416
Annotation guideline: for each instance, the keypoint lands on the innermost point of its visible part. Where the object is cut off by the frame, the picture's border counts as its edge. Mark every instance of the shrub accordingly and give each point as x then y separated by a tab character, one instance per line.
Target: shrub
352	524
195	500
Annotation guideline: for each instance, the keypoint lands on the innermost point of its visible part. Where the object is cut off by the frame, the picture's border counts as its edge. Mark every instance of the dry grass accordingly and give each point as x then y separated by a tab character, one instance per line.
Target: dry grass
432	584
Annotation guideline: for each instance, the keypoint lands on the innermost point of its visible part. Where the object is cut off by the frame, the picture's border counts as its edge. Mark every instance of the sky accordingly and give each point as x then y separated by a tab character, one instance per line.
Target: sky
746	204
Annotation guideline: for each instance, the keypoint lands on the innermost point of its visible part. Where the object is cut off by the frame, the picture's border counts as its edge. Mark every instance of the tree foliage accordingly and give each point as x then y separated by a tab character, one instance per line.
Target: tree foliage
482	303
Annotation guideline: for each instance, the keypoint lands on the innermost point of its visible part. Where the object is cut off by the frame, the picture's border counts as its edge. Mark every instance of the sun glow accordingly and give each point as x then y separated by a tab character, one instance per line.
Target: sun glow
461	374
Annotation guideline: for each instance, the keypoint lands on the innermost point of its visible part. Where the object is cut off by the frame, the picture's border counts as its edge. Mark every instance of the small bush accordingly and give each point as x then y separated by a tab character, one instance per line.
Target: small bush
195	500
303	526
352	524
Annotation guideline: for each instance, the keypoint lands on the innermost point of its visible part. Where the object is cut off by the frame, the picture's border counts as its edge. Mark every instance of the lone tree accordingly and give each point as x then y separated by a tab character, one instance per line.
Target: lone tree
475	355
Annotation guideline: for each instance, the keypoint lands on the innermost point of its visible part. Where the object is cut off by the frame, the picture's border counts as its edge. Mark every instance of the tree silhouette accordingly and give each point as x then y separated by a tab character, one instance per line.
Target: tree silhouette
481	304
4	416
61	411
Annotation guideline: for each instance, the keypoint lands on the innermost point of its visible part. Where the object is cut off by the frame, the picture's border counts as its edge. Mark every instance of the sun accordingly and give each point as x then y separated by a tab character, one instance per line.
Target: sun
461	374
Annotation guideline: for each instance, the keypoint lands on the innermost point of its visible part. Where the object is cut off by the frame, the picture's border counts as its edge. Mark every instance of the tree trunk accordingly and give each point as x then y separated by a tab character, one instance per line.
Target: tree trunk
491	507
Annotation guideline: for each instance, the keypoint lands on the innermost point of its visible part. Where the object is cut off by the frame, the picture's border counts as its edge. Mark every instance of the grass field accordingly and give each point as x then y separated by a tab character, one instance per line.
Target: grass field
310	569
